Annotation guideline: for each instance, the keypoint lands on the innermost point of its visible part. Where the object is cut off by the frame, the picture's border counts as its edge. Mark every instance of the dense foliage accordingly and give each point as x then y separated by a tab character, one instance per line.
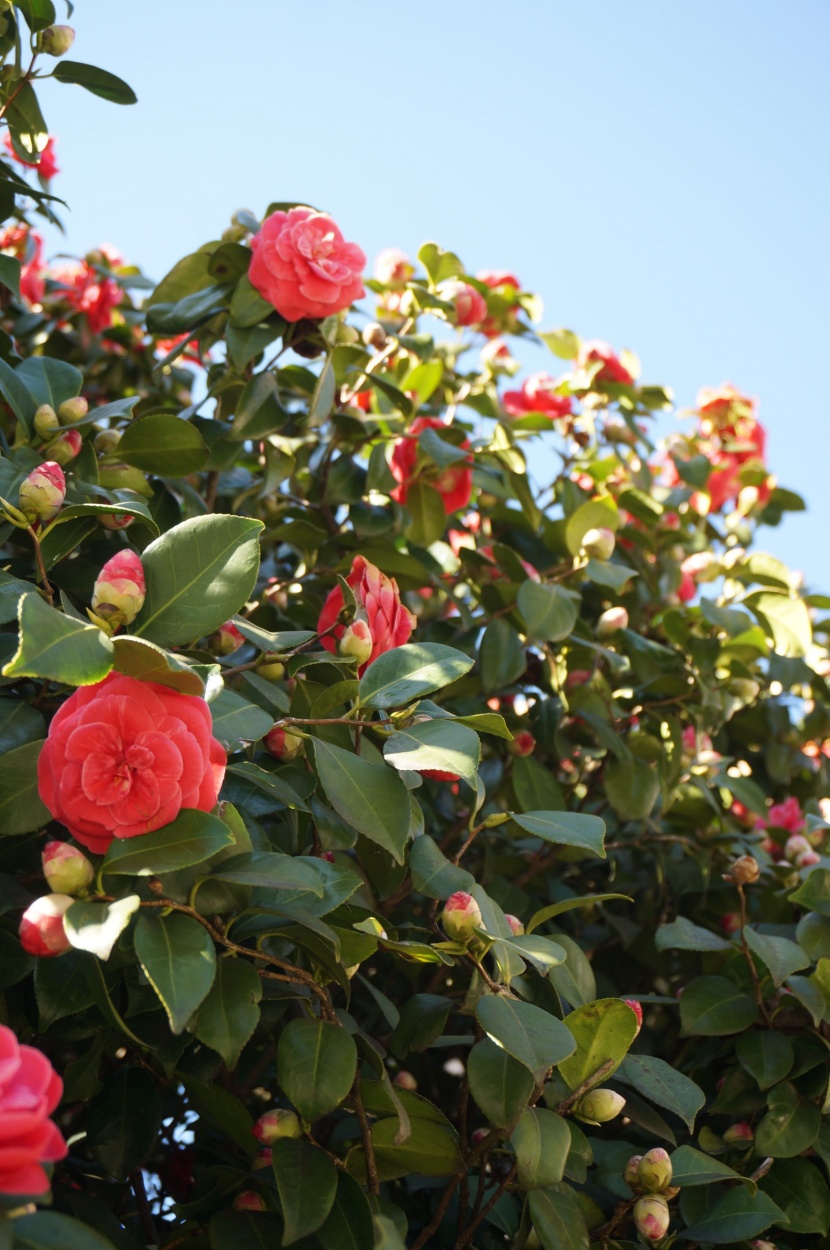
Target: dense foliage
402	847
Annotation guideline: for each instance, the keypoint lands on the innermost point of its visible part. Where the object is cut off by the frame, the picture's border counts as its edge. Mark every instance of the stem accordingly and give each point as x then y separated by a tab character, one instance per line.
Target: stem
595	1077
366	1134
19	86
466	845
47	589
753	971
376	361
469	1232
142	1202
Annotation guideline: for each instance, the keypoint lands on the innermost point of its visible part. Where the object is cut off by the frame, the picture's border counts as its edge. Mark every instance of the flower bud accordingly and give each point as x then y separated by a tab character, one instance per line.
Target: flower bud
599	1106
72	410
106	441
262	1159
739	1134
42	492
763	1245
654	1172
461	916
118	593
356	642
328	856
280	1122
630	1172
115	520
272	669
611	620
65	447
57	40
374	335
599	543
807	859
283	744
478	1135
730	922
41	927
745	870
651	1215
516	926
46	421
405	1080
796	845
66	869
226	640
248	1200
523	743
638	1011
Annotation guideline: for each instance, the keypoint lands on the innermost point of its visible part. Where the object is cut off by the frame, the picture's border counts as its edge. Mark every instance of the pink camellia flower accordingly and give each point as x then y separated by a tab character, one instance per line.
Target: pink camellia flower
46	166
703	566
118	593
613	370
504	284
66	869
787	815
123	757
89	293
282	744
42	930
42	492
393	267
303	266
498	278
27	246
496	358
461	916
611	621
226	640
30	1090
537	395
378	604
687	588
470	305
454	482
638	1011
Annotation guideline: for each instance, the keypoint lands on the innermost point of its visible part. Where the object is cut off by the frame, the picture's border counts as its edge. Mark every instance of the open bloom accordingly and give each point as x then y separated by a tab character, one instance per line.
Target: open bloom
30	1089
123	757
378	606
27	246
46	166
393	267
303	266
470	305
720	406
89	293
537	395
454	482
612	370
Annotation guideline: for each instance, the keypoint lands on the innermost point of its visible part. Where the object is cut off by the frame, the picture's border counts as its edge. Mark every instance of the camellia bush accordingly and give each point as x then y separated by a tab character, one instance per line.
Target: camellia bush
413	775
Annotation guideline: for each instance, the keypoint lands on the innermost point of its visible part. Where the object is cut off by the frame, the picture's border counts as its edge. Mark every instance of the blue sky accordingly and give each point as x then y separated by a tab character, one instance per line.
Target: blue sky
658	172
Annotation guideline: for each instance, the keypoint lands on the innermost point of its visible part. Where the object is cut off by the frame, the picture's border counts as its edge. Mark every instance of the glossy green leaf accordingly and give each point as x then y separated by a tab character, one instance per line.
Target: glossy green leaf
370	797
179	961
224	1111
236	721
316	1063
790	1126
602	1032
715	1007
565	829
191	838
501	656
781	956
162	444
549	612
541	1142
693	1167
531	1035
230	1013
62	987
49	1230
659	1082
408	672
433	874
767	1056
435	744
56	646
430	1150
632	786
738	1216
349	1223
306	1182
558	1219
535	786
799	1189
21	808
99	81
136	657
123	1121
814	893
500	1084
569	904
428	517
271	870
96	927
683	935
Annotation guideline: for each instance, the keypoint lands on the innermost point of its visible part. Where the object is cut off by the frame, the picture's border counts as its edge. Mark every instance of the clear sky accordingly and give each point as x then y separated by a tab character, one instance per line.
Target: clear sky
657	171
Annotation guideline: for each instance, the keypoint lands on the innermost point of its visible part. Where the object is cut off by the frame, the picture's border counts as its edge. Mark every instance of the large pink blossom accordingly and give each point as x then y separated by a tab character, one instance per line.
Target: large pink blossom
303	266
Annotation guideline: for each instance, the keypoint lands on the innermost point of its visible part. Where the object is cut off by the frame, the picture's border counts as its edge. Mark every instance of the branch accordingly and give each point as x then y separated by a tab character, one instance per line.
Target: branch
366	1134
589	1083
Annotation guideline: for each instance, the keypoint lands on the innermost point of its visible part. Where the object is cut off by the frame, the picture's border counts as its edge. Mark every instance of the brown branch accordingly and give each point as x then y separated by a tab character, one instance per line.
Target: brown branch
468	843
47	588
142	1203
602	1071
469	1232
753	971
366	1134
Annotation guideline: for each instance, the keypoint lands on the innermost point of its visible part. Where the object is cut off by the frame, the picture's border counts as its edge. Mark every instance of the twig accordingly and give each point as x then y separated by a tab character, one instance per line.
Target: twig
602	1071
753	971
469	1232
142	1203
466	845
366	1134
47	589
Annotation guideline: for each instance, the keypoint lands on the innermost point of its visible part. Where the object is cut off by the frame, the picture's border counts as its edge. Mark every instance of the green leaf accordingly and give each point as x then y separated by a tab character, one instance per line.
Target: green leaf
550	612
439	450
306	1182
605	573
683	935
738	1216
565	829
602	1031
316	1064
421	1023
558	1219
501	656
96	927
325	390
191	838
258	410
715	1007
198	575
541	1142
29	132
432	873
123	1121
428	517
99	81
692	1167
790	1126
408	672
441	744
251	1230
222	1109
531	1035
230	1013
248	307
17	396
49	1230
38	13
563	343
179	961
136	657
272	871
596	514
767	1056
632	786
275	784
62	987
569	904
58	647
10	274
430	1150
500	1084
800	1191
349	1224
814	893
21	808
51	381
237	722
535	787
162	444
659	1082
786	620
370	797
781	956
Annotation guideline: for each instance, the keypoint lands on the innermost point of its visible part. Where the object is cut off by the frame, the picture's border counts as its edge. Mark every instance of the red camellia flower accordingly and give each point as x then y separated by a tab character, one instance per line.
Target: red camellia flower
47	166
42	930
378	604
537	395
453	483
90	293
470	304
720	406
30	1089
612	368
123	757
27	246
303	266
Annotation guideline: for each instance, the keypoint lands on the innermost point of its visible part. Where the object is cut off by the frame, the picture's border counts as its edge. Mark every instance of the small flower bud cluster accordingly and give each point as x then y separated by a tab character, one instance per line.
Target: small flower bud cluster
650	1175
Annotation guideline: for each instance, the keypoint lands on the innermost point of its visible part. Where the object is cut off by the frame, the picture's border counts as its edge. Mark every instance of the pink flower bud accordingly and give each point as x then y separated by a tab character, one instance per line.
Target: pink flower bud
276	1124
599	543
611	620
282	744
226	640
57	40
66	446
655	1170
630	1172
745	870
599	1106
328	856
807	859
523	744
72	410
262	1159
393	267
42	492
248	1200
638	1011
118	594
730	922
478	1135
651	1215
46	421
461	916
66	869
739	1134
356	641
470	304
516	926
796	845
41	926
405	1080
763	1245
